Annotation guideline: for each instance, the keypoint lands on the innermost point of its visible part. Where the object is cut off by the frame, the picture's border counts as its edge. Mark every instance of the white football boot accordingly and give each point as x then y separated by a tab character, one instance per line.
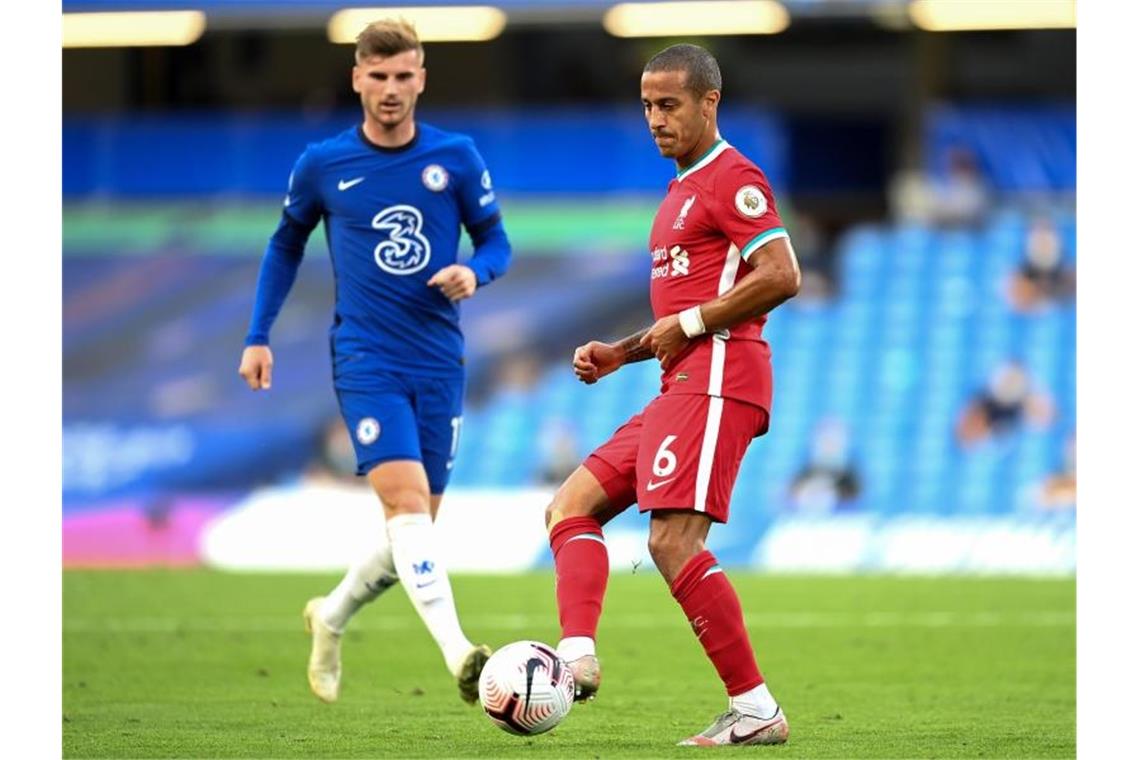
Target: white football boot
324	658
587	677
733	727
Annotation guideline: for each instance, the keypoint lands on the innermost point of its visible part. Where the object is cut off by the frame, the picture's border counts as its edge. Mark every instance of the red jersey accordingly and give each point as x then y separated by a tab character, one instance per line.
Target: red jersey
716	214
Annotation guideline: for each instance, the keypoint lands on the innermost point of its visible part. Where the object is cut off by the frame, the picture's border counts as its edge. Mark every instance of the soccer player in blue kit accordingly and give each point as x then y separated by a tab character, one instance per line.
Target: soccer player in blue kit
393	193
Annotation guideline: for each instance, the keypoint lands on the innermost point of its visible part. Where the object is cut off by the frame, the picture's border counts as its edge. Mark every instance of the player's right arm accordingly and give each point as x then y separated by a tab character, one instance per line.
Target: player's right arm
479	212
595	360
279	266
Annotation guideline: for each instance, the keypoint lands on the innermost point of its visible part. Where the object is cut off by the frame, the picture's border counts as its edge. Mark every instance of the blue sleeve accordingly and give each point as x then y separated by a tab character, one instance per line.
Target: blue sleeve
303	210
303	201
492	253
278	272
483	220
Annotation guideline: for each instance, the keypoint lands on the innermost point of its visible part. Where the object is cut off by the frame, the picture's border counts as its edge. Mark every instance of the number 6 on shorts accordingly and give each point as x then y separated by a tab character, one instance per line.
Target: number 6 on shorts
665	455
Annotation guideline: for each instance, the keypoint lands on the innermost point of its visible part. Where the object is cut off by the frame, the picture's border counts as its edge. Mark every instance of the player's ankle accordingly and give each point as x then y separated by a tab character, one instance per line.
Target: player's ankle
455	653
573	647
757	702
333	624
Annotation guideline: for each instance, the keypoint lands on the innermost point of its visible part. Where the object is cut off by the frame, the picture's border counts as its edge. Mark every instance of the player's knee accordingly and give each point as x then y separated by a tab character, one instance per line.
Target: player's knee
560	508
671	549
564	505
405	501
661	546
553	515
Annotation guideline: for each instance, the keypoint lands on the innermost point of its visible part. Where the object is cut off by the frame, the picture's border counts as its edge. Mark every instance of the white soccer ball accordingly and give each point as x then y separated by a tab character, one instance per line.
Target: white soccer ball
526	688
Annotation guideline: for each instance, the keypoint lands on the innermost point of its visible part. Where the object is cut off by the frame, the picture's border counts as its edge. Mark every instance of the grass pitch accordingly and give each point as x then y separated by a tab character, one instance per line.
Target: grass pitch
208	664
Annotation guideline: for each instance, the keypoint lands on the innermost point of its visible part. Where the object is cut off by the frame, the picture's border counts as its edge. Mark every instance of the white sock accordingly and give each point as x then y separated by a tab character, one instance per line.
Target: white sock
573	647
424	576
756	702
365	580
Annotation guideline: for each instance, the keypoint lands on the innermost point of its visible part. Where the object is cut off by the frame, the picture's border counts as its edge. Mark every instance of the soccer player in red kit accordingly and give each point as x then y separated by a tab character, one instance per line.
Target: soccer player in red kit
721	261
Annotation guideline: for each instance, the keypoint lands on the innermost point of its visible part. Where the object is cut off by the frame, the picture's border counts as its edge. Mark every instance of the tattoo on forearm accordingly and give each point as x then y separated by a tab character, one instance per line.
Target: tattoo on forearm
632	350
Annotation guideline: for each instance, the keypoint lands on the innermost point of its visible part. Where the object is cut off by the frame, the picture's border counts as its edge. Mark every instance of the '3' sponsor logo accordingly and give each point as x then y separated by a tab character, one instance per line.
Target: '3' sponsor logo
404	249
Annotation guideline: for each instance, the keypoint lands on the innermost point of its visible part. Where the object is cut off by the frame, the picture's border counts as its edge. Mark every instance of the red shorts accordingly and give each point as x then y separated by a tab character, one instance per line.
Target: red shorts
681	452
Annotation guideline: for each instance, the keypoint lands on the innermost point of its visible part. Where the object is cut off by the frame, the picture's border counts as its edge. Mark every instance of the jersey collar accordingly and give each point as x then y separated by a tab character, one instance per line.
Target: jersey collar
384	149
718	147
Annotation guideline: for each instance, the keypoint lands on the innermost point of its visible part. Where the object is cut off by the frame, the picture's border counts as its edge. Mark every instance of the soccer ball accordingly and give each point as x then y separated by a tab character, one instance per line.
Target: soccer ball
526	688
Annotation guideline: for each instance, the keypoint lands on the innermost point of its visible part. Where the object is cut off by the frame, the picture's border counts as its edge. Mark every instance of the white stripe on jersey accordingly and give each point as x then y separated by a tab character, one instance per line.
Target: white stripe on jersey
728	274
727	279
708	449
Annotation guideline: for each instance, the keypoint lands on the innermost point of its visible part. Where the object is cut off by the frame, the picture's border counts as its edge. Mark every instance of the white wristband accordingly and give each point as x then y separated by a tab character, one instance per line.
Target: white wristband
692	323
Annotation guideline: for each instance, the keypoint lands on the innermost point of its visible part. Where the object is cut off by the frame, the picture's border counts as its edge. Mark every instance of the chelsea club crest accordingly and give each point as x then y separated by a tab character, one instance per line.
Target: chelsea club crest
368	430
435	177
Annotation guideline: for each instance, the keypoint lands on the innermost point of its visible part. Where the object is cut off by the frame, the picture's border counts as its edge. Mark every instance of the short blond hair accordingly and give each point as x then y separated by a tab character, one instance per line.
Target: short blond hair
387	37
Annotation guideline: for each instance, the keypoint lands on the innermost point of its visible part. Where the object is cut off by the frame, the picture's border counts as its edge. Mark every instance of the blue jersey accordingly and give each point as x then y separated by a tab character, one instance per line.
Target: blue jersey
392	220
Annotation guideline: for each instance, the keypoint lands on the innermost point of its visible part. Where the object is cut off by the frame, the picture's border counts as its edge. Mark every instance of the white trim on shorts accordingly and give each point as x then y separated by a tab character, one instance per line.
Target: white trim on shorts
708	451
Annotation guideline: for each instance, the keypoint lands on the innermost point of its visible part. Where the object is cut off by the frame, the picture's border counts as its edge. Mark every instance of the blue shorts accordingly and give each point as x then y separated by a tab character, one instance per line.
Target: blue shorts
405	417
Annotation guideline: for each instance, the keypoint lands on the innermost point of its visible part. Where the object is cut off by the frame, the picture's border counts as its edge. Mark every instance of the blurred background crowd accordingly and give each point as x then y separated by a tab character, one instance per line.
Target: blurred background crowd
925	375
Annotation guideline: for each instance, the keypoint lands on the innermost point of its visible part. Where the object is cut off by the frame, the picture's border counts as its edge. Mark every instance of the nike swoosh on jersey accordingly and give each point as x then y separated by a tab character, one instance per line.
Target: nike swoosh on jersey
344	184
651	486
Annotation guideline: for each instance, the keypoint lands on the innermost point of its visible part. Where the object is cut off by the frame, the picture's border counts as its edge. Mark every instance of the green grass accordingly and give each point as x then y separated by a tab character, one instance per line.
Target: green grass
206	664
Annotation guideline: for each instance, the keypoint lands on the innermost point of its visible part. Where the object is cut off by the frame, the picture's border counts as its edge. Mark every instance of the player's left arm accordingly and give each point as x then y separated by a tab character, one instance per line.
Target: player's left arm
484	224
746	213
774	279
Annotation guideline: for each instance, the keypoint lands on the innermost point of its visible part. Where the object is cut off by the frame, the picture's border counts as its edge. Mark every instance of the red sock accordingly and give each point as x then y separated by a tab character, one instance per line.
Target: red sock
581	569
713	610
